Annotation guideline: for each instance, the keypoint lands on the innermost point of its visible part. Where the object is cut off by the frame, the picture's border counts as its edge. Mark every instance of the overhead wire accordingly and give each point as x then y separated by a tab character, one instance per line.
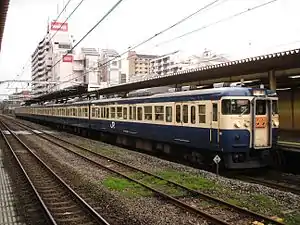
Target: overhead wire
150	38
87	33
29	59
217	22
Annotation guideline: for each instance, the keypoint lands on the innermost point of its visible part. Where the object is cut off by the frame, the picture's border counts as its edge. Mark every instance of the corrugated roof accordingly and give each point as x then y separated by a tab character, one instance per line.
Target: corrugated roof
3	13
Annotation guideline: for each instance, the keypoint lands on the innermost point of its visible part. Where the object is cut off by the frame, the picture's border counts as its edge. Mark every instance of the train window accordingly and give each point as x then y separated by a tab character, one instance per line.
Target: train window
148	112
107	113
168	114
119	112
74	112
140	113
261	107
274	106
134	112
130	112
86	114
178	113
93	112
112	112
159	113
185	113
235	106
79	112
97	112
193	114
125	113
215	112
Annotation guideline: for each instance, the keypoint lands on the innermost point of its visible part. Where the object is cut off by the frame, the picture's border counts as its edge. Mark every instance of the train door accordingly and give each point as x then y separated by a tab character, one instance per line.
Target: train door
214	123
181	113
262	117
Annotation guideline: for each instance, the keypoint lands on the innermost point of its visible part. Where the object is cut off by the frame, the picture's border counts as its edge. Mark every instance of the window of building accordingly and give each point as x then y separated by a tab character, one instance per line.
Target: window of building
140	113
159	113
201	113
168	114
148	112
178	113
193	114
112	112
125	113
119	112
114	63
185	113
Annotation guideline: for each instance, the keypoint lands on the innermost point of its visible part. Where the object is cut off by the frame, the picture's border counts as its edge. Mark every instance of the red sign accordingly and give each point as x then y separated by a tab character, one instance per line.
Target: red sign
68	58
59	26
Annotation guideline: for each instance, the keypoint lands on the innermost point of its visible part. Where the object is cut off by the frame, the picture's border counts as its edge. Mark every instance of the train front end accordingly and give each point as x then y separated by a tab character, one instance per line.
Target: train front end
250	129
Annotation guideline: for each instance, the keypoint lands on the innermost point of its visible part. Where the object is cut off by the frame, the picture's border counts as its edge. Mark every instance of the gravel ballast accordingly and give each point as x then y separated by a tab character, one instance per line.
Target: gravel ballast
258	196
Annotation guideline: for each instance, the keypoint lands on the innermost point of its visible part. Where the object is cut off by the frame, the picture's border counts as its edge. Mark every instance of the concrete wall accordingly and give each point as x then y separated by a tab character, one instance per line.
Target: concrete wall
289	109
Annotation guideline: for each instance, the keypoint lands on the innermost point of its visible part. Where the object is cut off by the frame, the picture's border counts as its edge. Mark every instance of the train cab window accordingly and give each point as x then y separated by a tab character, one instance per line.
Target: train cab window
215	112
112	112
235	106
193	114
178	113
125	113
168	114
119	112
140	113
93	112
185	113
148	112
261	107
107	113
274	107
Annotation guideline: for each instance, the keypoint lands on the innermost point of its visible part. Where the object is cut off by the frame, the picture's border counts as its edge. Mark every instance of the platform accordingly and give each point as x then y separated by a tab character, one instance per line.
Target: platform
289	140
8	212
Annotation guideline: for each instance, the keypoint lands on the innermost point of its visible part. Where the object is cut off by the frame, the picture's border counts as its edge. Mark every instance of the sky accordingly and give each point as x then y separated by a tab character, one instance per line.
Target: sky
268	29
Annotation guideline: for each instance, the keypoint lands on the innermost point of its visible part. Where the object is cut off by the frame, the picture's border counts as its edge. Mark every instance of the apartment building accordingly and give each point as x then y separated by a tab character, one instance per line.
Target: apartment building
50	50
110	67
138	65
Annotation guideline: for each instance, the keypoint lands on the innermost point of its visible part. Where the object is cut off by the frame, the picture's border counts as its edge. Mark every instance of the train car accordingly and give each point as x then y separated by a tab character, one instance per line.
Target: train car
239	124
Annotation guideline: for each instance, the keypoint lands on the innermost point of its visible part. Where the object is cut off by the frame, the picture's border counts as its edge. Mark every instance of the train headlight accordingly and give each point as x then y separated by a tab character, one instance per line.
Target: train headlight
247	123
237	124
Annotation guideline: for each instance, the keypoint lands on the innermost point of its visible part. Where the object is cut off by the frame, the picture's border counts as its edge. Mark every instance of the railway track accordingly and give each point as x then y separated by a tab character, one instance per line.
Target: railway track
184	197
272	184
61	204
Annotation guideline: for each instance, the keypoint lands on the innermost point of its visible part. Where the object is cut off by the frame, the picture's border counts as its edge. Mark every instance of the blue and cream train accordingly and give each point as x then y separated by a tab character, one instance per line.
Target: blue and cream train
240	124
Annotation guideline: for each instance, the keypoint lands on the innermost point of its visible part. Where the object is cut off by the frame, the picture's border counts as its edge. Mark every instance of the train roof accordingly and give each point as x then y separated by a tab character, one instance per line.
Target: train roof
202	94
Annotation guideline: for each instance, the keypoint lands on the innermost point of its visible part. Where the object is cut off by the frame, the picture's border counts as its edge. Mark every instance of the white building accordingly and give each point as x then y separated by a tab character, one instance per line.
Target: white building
111	67
49	51
86	69
178	61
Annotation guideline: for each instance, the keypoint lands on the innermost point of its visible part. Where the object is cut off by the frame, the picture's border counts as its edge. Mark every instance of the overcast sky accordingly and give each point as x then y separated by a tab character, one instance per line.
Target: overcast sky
274	27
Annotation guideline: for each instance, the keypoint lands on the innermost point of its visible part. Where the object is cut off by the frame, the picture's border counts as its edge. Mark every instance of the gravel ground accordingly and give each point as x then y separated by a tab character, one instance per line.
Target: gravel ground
230	188
117	208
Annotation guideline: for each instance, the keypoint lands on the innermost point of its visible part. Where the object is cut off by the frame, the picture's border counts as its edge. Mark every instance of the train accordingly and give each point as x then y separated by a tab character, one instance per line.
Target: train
239	124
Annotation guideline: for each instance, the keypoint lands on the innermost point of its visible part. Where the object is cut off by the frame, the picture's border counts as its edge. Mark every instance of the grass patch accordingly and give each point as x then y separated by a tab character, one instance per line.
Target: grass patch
293	219
188	180
126	187
159	184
